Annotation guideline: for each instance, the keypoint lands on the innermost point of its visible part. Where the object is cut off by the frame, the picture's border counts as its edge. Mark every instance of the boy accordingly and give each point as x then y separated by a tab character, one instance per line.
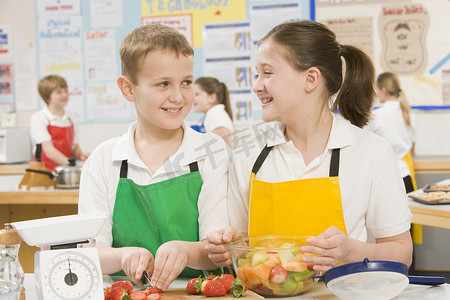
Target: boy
173	180
53	127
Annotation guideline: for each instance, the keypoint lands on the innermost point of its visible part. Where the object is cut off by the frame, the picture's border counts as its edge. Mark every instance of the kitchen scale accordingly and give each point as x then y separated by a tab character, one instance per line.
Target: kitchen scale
67	265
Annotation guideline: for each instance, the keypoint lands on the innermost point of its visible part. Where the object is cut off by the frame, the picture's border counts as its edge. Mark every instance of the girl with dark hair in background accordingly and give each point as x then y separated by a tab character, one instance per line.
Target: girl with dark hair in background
211	97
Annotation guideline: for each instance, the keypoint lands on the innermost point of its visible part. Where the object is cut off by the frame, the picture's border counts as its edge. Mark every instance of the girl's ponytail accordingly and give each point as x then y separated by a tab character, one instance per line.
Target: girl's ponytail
356	95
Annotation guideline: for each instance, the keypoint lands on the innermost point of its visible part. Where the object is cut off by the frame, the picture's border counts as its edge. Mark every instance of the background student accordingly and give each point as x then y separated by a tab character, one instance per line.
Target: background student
394	122
54	128
314	172
212	98
163	185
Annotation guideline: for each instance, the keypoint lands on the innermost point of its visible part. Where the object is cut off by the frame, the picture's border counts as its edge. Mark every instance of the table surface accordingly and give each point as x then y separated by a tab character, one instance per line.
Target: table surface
11	194
318	292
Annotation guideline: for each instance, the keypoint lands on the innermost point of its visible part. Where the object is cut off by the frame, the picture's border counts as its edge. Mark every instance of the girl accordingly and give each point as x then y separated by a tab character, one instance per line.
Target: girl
318	173
211	97
394	122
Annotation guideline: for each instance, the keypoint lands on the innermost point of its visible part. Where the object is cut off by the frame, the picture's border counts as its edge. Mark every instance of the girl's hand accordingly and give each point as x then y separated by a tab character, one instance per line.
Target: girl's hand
171	258
332	246
216	245
135	261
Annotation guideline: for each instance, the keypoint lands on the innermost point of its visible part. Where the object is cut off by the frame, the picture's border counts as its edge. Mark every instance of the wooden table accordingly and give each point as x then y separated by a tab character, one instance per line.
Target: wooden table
432	215
20	205
13	169
318	292
431	165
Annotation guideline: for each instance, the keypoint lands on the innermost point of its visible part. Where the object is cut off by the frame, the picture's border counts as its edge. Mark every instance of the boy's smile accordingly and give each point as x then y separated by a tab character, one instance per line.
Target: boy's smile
164	91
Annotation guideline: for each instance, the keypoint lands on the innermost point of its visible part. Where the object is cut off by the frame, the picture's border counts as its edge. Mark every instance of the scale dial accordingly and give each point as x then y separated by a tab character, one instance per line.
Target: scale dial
71	275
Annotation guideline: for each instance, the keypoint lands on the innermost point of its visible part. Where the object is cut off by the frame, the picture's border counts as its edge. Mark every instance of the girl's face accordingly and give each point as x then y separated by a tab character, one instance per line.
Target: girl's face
278	85
202	101
59	98
164	94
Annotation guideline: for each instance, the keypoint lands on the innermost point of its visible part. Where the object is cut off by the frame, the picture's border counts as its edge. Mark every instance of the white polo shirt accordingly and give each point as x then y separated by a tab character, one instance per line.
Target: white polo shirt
100	177
217	117
373	195
388	123
42	118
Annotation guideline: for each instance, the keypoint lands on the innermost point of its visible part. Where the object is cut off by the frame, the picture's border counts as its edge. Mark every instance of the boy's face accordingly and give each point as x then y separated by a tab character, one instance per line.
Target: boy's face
59	97
164	93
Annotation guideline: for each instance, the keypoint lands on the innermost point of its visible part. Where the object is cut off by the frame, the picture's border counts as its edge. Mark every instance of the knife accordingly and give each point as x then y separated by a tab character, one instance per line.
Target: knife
145	280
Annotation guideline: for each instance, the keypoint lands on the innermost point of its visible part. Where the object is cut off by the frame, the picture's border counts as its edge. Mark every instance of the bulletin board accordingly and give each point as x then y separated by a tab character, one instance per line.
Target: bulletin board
409	38
79	39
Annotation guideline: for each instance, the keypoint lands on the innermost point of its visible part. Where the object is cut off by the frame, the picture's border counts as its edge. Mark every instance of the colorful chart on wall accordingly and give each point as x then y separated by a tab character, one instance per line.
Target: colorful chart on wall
179	13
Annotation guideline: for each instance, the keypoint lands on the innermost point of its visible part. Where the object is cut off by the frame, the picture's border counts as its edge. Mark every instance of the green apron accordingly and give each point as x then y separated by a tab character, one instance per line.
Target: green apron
147	216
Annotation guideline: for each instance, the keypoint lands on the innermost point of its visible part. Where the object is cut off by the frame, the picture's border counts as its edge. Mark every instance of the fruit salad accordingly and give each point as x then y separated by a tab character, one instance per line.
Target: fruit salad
275	272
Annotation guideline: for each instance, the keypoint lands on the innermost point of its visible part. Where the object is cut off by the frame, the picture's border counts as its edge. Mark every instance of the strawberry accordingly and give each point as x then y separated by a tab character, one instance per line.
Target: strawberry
107	293
119	293
212	288
193	286
238	288
154	296
226	280
278	275
152	290
210	277
127	285
138	295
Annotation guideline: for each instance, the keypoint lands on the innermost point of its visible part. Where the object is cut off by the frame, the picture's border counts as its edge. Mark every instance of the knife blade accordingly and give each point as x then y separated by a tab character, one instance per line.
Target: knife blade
145	280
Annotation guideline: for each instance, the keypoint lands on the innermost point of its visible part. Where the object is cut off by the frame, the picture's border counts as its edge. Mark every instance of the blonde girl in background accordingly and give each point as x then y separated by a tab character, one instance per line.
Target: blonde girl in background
393	121
212	98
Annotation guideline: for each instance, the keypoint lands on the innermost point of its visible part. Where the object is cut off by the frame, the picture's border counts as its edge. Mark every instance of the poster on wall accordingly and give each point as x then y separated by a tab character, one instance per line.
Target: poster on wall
446	87
201	12
264	15
353	31
5	40
61	33
106	13
57	7
182	23
403	33
231	39
5	79
100	55
65	64
105	101
235	72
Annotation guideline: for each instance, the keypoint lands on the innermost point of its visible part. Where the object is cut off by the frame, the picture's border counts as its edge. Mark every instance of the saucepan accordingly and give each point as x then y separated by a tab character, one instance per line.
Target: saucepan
67	177
376	279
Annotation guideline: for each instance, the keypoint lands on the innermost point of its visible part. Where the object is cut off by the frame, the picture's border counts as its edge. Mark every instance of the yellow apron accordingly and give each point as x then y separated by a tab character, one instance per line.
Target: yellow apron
416	228
303	207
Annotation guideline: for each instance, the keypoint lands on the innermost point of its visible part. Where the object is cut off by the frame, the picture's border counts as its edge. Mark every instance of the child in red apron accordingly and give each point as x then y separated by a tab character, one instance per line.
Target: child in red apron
312	171
53	127
162	184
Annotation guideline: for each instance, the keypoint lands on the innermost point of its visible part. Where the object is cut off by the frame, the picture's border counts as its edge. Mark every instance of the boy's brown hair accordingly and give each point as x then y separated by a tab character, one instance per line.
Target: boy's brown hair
142	40
50	83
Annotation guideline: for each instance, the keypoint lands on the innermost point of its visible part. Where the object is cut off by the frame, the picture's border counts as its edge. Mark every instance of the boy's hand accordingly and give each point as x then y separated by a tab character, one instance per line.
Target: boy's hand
135	261
217	250
171	258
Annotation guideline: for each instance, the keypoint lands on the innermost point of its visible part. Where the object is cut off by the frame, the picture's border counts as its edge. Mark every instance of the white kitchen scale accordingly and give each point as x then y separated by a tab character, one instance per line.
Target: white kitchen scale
67	265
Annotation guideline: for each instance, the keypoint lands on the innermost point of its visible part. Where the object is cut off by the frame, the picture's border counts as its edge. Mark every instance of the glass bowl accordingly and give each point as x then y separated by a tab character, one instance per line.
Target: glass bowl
9	290
271	265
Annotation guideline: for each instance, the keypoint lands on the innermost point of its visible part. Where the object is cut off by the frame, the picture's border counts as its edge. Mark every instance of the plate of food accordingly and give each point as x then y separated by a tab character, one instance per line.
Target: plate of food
437	188
433	198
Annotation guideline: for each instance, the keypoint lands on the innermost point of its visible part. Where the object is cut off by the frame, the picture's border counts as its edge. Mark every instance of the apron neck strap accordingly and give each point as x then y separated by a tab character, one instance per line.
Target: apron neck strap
261	158
124	169
193	167
334	164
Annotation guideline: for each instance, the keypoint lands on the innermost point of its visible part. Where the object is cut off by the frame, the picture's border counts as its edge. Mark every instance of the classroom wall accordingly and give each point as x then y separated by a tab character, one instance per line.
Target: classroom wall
433	128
